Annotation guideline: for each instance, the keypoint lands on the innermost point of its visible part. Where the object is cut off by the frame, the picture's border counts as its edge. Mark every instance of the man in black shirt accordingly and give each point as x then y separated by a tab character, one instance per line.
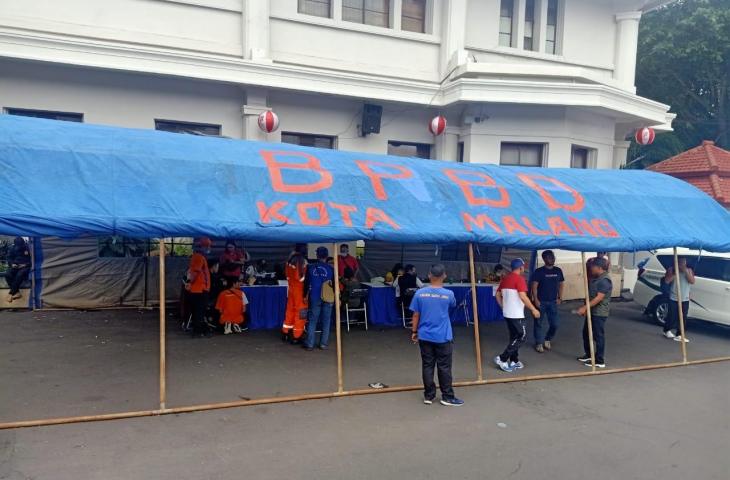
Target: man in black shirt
19	263
546	286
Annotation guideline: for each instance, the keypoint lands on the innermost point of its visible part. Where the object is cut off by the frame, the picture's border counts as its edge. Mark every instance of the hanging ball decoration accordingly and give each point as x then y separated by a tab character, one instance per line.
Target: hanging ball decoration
437	125
268	121
645	136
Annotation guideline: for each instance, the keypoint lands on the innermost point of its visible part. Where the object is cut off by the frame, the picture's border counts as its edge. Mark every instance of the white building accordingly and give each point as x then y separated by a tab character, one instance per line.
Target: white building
534	82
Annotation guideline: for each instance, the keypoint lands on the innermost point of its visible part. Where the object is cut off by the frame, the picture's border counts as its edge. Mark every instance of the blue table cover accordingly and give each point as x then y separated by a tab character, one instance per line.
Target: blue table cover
382	308
266	306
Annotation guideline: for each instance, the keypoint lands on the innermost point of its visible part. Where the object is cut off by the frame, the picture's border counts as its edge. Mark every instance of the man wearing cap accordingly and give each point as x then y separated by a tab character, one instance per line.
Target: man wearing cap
512	297
599	292
198	286
320	311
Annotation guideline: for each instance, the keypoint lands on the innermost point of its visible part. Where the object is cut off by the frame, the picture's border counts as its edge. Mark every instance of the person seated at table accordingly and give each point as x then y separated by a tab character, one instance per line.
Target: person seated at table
347	285
406	286
19	262
257	271
392	276
231	305
495	276
232	260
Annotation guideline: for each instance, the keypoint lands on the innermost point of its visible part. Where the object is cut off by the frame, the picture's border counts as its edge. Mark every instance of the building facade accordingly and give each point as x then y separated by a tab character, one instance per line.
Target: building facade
527	82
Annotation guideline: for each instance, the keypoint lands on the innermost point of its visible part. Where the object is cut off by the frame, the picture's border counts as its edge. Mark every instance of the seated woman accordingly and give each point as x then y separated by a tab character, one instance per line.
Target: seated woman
392	276
348	284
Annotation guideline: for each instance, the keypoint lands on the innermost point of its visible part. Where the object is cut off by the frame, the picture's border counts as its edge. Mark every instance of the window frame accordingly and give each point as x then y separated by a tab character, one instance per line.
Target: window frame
363	11
399	143
180	123
591	154
542	157
427	16
300	8
558	27
331	138
511	23
534	30
718	269
46	114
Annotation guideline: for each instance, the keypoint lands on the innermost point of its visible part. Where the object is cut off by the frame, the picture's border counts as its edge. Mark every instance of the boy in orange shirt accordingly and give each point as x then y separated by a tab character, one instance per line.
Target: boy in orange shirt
232	305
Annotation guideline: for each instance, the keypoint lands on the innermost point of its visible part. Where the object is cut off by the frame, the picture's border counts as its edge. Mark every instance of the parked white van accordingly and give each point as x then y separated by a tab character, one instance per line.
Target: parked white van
709	296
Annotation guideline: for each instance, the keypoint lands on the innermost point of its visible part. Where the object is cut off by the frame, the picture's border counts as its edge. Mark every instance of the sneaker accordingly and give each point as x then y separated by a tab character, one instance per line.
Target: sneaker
598	364
452	402
679	338
323	347
516	365
236	328
584	358
547	345
427	401
669	334
539	348
17	296
9	299
227	329
502	365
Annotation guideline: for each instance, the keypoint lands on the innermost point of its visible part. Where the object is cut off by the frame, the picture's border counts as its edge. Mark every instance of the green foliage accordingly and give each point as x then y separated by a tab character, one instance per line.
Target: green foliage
684	61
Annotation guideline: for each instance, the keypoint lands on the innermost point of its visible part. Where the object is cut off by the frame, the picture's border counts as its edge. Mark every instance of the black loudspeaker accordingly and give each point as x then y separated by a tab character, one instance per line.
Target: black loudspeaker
370	119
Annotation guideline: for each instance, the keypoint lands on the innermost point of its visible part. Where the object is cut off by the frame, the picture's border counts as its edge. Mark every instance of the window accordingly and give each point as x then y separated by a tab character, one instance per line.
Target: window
408	149
713	268
522	154
307	140
318	8
64	116
205	129
551	34
413	16
506	12
581	157
460	152
368	12
122	247
529	25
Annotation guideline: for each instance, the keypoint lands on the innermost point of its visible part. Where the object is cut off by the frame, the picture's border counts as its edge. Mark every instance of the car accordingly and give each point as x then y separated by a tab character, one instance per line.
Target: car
709	296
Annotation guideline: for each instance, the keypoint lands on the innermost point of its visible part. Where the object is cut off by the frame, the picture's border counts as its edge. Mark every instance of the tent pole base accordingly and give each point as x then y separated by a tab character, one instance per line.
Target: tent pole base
346	393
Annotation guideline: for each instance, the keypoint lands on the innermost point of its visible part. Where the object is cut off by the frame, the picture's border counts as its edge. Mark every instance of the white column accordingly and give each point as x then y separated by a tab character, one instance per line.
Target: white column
620	151
453	28
446	145
256	30
519	25
256	103
627	38
396	15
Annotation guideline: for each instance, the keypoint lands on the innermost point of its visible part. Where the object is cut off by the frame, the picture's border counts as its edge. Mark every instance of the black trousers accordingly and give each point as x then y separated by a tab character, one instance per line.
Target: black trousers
517	336
599	337
15	278
437	355
672	322
198	304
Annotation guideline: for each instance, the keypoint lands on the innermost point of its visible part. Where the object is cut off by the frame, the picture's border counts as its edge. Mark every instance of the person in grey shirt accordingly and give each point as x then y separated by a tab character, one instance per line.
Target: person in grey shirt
686	278
599	292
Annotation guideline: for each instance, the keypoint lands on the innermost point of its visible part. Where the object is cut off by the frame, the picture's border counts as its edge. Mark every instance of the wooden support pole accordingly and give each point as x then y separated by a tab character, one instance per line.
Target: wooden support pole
474	305
163	373
338	327
317	396
589	320
680	312
31	297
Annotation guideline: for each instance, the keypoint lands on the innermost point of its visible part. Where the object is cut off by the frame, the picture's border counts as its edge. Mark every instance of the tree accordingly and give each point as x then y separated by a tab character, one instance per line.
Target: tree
684	61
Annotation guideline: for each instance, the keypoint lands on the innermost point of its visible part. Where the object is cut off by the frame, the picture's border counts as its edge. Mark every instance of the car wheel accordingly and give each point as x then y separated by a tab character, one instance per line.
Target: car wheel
660	312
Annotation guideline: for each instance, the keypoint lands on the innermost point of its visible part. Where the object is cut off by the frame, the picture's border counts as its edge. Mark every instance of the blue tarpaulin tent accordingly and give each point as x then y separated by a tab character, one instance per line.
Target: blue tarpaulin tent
67	179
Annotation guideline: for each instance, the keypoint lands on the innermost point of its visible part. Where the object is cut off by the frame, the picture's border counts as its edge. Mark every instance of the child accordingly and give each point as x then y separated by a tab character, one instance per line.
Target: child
232	305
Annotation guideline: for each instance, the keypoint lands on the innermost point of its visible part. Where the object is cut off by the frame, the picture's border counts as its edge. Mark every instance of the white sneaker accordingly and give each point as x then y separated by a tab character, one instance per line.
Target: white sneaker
680	339
669	334
227	329
236	328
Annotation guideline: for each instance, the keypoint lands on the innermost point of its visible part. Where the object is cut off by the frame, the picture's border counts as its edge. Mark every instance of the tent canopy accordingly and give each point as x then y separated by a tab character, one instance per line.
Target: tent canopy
67	179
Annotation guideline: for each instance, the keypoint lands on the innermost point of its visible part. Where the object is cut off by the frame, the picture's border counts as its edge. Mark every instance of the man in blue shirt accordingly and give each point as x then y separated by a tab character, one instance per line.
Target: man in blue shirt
546	287
432	330
318	274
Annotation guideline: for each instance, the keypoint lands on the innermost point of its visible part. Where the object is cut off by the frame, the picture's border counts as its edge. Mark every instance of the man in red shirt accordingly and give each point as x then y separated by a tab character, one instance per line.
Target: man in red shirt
346	260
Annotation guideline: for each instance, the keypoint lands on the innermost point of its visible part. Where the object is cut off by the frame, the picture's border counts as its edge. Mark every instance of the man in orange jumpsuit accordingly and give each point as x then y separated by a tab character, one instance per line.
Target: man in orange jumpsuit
198	286
295	319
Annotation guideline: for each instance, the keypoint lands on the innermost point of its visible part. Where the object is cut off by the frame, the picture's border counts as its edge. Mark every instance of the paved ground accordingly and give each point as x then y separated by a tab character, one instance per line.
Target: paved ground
660	424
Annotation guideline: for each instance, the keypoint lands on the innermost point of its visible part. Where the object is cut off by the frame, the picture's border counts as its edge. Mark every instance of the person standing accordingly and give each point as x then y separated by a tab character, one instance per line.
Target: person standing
686	279
546	287
320	277
294	321
232	261
346	260
431	329
512	297
599	294
198	286
19	263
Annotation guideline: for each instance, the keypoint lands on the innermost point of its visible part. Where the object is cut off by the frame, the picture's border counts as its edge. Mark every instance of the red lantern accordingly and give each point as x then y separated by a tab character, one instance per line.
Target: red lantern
268	121
437	125
645	136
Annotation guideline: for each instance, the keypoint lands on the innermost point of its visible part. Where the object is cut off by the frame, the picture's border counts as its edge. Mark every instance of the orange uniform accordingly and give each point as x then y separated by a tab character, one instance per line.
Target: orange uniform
198	269
295	303
231	304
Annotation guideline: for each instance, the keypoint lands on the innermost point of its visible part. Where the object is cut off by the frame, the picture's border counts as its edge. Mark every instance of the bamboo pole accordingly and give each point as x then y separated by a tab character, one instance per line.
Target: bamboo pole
588	312
338	327
680	312
477	339
318	396
163	373
32	296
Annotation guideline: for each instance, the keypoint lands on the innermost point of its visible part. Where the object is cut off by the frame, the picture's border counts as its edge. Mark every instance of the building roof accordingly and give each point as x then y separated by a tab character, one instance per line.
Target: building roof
707	167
